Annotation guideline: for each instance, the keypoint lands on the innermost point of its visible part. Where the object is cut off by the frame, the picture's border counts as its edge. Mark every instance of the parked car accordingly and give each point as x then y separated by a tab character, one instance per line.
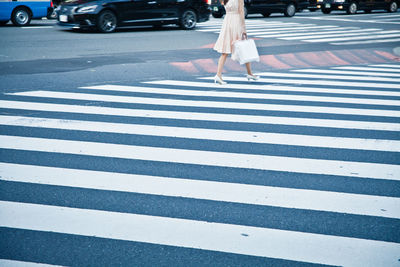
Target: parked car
352	6
107	15
22	12
264	7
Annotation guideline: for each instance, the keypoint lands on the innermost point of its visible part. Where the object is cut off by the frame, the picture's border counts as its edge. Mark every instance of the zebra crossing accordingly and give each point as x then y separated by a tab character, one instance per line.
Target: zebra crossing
310	33
300	167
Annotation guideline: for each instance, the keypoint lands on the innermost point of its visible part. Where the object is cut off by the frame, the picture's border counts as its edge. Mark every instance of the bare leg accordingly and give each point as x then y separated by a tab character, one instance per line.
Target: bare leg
248	67
221	63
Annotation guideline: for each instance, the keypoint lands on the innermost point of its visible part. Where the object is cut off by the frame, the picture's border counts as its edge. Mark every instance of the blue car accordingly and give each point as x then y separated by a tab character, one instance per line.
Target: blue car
21	12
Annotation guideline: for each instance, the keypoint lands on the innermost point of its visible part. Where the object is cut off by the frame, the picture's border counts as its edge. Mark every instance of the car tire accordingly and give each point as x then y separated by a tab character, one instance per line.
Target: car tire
392	7
3	22
266	14
290	10
188	20
106	21
217	15
21	16
352	8
326	10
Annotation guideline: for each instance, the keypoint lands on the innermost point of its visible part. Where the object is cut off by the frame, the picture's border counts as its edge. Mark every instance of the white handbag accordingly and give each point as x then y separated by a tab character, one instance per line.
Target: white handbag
245	51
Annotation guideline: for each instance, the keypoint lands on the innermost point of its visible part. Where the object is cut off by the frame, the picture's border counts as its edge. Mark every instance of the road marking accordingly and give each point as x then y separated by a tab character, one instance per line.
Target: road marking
199	103
202	116
374	36
332	77
318	82
343	72
310	33
14	263
197	116
37	27
381	69
358	204
386	66
206	134
341	34
208	158
255	86
369	42
245	240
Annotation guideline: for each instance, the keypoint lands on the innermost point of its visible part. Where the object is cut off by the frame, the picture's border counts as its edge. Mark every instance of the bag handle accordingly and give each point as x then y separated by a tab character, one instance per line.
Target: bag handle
244	36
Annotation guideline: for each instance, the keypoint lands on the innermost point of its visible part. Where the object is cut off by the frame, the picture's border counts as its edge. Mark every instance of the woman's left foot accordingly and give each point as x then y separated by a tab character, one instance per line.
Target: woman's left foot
252	77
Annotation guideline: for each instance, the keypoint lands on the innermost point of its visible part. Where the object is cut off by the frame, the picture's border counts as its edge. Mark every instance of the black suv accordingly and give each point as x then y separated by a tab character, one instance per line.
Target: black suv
352	6
107	15
264	7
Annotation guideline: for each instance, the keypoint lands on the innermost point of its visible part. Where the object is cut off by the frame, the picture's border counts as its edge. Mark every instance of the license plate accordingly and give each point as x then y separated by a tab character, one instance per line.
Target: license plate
63	18
215	9
327	5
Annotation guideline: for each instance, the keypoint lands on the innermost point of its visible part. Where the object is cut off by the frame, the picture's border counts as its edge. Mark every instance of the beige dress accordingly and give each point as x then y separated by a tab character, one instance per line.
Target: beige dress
232	28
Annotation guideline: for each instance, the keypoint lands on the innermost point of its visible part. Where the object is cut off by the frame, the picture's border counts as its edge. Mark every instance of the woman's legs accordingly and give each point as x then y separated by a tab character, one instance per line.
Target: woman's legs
248	67
221	63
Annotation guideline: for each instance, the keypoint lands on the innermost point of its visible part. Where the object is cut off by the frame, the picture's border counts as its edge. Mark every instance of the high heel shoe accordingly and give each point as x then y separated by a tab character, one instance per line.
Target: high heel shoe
252	77
218	79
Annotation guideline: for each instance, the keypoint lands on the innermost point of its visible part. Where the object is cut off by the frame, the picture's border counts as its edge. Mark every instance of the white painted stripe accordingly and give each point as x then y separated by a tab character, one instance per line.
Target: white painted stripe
318	82
260	27
37	27
284	27
369	42
216	191
295	27
238	239
316	32
195	103
381	69
332	77
209	158
387	16
375	36
255	86
341	34
274	107
386	66
364	125
206	134
278	32
14	263
343	72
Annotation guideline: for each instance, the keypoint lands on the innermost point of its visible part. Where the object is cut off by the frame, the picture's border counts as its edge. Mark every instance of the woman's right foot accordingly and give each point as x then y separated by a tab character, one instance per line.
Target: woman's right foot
219	80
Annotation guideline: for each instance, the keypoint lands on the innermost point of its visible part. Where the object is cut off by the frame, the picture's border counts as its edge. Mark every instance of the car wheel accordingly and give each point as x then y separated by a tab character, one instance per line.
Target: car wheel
352	9
290	10
266	14
326	10
3	22
21	16
217	15
106	21
392	7
188	20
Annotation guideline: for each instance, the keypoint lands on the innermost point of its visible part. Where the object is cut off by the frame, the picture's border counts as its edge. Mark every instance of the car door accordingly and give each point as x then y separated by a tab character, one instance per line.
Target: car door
140	10
169	9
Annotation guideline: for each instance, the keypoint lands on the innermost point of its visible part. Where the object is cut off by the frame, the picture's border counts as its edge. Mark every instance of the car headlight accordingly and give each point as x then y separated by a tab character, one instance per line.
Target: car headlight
86	9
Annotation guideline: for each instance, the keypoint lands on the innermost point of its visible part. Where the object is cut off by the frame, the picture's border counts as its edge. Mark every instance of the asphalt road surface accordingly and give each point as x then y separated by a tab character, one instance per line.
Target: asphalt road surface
119	150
